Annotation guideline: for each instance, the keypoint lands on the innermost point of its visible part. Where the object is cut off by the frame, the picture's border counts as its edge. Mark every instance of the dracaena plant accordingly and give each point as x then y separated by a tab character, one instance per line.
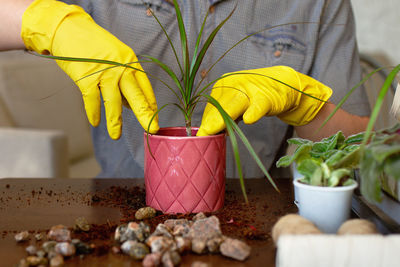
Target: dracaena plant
189	93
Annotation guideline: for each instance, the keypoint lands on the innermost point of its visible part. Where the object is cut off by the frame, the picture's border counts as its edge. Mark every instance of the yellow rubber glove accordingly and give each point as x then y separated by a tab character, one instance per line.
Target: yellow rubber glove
254	95
54	27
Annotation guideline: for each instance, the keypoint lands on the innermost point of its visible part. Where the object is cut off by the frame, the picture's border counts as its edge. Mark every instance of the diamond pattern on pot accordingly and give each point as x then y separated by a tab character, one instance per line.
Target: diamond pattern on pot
186	176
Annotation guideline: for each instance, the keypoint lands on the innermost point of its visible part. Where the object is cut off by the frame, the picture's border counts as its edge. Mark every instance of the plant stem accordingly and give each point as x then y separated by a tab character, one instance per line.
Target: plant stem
188	128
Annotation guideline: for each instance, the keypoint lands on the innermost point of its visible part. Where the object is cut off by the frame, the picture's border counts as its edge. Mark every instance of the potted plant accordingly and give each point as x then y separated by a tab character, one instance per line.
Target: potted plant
379	153
181	183
324	180
325	170
380	165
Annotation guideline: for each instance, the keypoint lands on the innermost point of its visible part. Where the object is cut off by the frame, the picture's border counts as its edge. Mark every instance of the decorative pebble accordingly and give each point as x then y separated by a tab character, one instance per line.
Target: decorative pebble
152	260
65	248
115	250
81	247
172	223
31	250
206	228
214	243
57	261
163	230
145	213
132	231
120	233
183	243
293	224
39	236
49	246
22	236
198	216
81	224
135	249
36	261
159	243
199	246
41	253
170	258
235	249
59	233
357	227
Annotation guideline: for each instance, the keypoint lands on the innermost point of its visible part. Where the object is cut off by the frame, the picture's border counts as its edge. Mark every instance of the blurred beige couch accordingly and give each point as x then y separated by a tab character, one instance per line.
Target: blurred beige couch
43	127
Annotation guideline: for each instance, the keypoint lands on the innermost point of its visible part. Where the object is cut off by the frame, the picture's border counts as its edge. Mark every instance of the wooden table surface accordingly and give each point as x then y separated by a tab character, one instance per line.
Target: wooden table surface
37	204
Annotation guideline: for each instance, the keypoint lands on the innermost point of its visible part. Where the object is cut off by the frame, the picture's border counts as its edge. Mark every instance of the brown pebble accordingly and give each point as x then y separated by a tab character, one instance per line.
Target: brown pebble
357	227
293	224
57	261
145	213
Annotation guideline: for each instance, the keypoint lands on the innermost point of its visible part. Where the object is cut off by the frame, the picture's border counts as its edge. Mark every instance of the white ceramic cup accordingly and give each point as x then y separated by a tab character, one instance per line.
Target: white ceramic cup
326	207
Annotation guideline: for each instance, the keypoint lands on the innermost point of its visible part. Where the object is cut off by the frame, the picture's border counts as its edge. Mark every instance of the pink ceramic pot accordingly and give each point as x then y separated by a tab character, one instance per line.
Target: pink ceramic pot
184	174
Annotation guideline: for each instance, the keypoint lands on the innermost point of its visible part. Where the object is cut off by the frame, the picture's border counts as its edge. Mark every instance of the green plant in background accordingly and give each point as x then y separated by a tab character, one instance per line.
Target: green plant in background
329	162
380	163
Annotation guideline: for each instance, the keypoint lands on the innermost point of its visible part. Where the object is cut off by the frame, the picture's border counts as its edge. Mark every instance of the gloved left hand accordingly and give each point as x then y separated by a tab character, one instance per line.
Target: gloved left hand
54	27
265	92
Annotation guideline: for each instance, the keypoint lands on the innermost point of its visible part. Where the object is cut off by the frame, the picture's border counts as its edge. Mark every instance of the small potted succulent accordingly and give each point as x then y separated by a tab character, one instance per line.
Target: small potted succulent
324	178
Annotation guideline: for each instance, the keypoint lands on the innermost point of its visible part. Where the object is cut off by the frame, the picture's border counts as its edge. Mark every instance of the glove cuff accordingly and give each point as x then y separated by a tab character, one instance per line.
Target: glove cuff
309	106
40	22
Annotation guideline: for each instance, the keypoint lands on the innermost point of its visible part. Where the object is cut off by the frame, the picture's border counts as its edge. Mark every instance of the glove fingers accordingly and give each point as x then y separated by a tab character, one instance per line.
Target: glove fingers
233	101
91	99
112	102
145	85
138	101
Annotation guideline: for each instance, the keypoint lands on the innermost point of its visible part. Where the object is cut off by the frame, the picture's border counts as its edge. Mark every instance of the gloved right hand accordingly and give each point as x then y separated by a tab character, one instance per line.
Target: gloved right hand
273	91
49	26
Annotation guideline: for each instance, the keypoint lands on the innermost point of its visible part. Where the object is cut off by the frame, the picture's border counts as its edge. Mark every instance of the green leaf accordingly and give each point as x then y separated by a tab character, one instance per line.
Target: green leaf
370	173
383	151
311	170
298	141
344	99
378	103
284	161
233	128
350	160
184	46
335	158
336	175
392	167
168	38
206	45
355	138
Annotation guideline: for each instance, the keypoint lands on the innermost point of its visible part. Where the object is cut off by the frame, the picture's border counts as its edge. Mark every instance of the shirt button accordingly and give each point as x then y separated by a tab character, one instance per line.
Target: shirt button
277	53
212	9
203	73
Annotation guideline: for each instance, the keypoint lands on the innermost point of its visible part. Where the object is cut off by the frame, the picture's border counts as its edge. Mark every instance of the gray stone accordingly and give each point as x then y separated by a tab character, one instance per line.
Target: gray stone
135	249
205	228
22	236
59	233
65	248
235	249
152	260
